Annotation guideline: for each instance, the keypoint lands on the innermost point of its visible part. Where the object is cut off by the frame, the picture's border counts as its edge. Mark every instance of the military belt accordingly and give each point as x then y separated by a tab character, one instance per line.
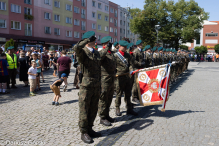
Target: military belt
91	76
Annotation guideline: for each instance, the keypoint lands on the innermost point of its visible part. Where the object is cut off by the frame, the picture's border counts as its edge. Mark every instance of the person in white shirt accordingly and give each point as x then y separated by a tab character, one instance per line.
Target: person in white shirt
3	48
32	72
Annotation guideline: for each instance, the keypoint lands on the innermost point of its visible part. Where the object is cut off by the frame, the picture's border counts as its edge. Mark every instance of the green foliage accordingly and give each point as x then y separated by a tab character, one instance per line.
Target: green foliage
216	48
28	17
201	49
9	43
179	21
184	47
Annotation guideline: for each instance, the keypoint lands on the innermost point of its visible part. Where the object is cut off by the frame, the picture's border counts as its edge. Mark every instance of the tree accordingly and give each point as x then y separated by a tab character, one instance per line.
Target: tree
144	21
216	48
184	47
180	21
201	49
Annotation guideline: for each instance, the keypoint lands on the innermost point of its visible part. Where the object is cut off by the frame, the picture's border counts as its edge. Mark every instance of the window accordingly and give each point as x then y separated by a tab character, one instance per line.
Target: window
76	10
93	26
111	10
211	34
111	40
56	31
48	30
99	16
47	2
121	14
106	28
76	34
28	29
57	4
47	16
2	23
57	17
3	6
128	31
115	13
68	7
83	13
99	27
111	29
115	40
68	33
115	30
115	22
15	8
106	8
27	11
76	22
124	31
120	22
93	14
83	25
99	37
28	2
93	3
106	18
68	20
120	30
124	23
16	25
120	37
83	3
111	20
99	5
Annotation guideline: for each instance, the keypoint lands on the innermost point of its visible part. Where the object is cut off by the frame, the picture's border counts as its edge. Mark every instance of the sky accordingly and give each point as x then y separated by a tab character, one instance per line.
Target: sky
210	6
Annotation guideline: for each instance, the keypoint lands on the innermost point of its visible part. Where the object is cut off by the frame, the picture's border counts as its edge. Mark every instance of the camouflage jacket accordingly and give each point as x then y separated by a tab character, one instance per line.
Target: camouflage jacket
138	58
156	59
121	68
90	63
108	63
148	61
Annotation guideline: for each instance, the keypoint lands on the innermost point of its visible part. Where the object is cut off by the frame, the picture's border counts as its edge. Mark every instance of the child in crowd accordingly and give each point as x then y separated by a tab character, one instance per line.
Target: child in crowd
55	65
32	72
3	73
38	66
55	87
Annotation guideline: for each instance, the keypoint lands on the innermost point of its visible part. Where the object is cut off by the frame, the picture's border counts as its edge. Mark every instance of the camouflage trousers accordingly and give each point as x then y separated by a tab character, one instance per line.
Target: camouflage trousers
123	84
88	106
106	96
134	88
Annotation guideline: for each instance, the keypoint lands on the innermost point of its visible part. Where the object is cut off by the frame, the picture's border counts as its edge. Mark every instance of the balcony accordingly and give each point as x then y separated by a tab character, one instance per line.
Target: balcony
28	32
28	17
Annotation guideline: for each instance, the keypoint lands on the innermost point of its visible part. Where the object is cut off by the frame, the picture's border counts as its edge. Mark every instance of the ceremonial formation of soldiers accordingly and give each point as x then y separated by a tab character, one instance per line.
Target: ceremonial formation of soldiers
108	70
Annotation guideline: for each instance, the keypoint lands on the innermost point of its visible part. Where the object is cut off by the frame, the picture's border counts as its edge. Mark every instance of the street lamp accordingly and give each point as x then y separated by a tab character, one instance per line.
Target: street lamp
157	27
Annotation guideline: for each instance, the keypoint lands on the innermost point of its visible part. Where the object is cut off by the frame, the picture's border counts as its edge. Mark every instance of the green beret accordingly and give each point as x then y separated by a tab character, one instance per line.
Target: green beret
10	47
155	48
173	50
123	43
105	39
160	48
147	47
164	49
115	44
88	34
138	42
130	45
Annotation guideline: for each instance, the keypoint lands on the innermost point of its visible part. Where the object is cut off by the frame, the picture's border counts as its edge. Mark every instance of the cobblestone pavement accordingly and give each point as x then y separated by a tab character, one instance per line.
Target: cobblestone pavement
191	116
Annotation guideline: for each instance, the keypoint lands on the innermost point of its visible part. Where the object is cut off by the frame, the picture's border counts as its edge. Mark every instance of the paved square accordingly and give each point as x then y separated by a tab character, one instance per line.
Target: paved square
191	116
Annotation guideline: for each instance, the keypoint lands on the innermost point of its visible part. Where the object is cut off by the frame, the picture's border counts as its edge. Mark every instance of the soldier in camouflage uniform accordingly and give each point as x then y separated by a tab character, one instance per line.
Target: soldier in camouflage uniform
148	55
108	72
155	57
160	55
123	82
89	93
139	63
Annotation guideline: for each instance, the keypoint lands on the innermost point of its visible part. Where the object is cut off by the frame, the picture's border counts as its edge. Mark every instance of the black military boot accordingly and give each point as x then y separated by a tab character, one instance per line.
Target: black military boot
111	120
94	134
105	122
86	138
131	112
118	113
136	100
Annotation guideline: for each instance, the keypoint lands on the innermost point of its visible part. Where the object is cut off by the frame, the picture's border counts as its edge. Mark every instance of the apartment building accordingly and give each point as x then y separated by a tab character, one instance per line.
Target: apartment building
61	23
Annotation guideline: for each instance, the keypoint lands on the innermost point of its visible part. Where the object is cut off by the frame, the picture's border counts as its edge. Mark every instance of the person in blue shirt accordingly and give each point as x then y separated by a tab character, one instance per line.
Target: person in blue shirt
3	73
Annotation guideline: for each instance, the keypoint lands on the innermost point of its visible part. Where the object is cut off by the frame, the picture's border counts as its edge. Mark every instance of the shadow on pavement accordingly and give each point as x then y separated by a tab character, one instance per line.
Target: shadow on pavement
69	102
